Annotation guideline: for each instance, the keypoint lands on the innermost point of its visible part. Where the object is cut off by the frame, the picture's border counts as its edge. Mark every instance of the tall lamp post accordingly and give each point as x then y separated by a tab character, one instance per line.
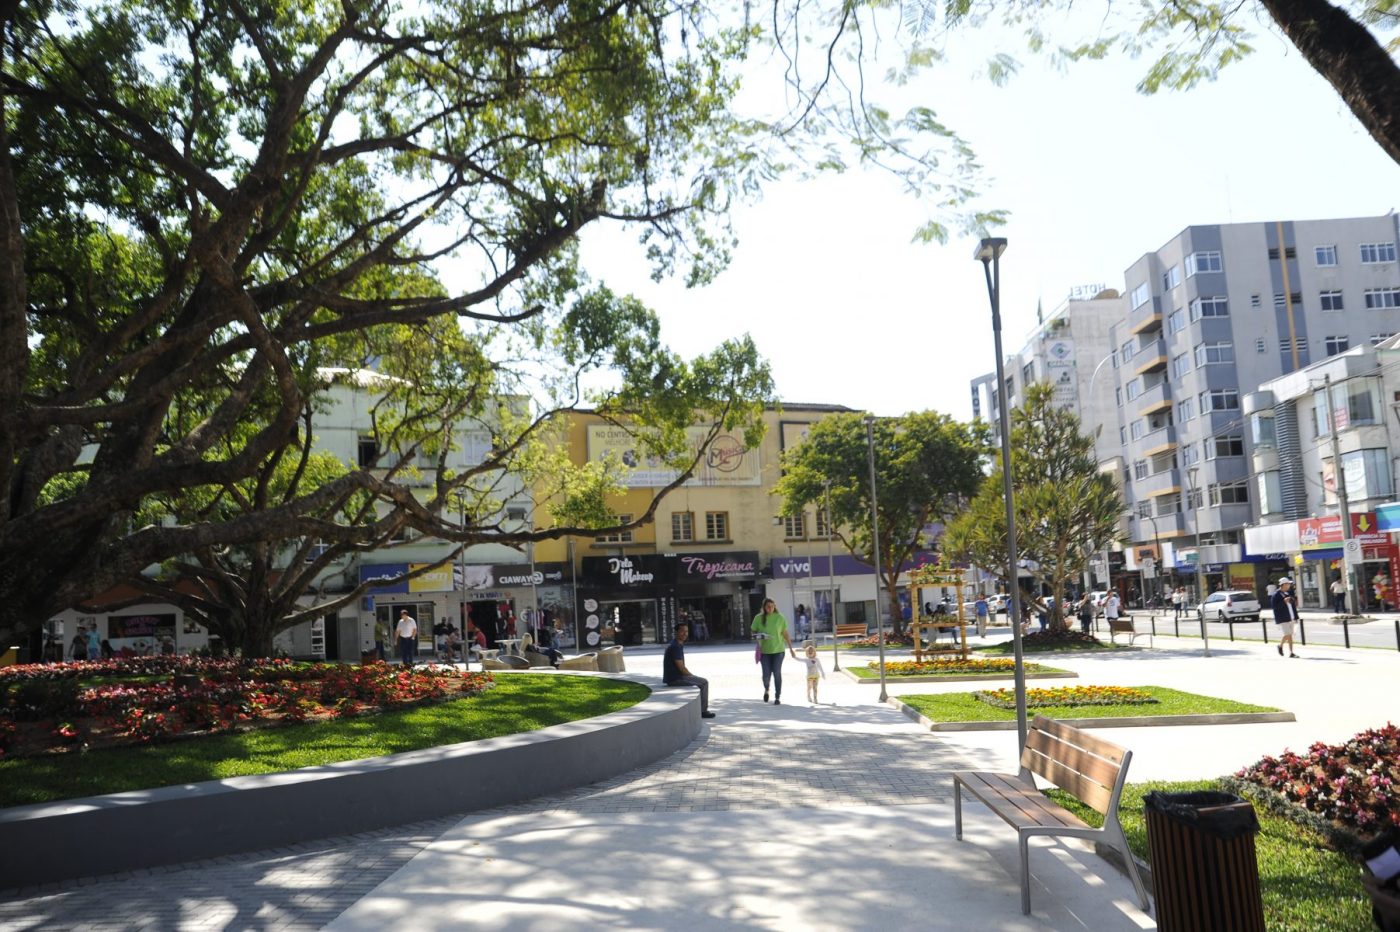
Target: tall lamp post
875	550
1200	564
830	575
989	254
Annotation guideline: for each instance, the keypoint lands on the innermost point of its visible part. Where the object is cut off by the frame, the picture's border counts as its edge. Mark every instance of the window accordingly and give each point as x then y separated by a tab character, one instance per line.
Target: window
1270	493
1377	298
1289	252
1168	504
1122	436
1326	256
1262	430
1189	454
1118	396
1210	307
1286	348
682	526
617	537
717	525
1211	354
1260	346
1134	389
1380	337
1144	508
1185	410
1255	301
1225	445
1199	262
1372	253
1220	399
1126	351
1367	474
1280	304
822	529
1335	345
1181	364
1140	296
1171	278
1139	429
1194	499
1230	493
1177	321
1139	469
795	526
367	453
517	512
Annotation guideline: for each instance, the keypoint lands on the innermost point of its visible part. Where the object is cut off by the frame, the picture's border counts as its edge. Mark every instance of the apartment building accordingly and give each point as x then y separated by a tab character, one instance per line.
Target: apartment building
1212	315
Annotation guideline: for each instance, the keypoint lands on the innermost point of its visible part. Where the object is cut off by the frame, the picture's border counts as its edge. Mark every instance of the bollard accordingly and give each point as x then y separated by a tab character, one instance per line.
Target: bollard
1264	626
1232	631
1177	625
1154	627
1302	631
1397	634
1346	630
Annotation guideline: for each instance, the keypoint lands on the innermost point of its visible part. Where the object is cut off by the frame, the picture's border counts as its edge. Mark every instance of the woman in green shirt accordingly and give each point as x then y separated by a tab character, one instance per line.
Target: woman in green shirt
771	630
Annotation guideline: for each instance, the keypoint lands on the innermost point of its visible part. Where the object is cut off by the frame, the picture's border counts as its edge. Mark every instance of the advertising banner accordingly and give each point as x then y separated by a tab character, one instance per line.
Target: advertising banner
1326	533
643	569
727	462
480	577
703	567
438	579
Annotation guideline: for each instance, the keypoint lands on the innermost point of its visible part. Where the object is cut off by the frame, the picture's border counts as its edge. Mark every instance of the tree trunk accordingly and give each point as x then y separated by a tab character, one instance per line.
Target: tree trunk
1345	52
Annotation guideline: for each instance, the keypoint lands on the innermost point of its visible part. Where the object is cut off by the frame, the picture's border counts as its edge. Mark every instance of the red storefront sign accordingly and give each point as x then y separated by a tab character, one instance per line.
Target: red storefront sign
1326	533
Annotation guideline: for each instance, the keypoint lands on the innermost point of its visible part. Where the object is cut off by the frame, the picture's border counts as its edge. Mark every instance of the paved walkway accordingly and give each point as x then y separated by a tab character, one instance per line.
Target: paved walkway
789	817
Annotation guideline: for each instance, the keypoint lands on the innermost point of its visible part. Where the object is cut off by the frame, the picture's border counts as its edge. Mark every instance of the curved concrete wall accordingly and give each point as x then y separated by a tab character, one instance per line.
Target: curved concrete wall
146	828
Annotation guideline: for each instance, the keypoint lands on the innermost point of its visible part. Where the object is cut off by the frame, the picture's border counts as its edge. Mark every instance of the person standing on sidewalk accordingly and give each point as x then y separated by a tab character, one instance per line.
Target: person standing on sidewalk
980	607
1339	596
674	672
1285	605
1178	599
407	632
771	628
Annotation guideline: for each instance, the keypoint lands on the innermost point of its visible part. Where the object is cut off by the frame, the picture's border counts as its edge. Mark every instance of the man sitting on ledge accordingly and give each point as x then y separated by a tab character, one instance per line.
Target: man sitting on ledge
675	673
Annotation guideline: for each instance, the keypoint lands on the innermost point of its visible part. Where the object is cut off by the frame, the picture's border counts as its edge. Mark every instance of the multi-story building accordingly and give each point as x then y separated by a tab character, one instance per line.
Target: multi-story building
1211	315
1322	443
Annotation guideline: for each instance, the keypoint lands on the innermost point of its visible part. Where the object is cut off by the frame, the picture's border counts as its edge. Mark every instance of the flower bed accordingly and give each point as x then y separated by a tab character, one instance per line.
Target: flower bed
46	708
946	665
873	641
1062	696
1355	784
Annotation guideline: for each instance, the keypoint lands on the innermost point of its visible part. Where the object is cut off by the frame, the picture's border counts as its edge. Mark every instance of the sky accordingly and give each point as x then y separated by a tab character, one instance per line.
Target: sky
848	310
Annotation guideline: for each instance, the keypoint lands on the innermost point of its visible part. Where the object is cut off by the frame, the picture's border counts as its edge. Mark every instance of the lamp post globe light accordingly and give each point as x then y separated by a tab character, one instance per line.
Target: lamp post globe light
988	253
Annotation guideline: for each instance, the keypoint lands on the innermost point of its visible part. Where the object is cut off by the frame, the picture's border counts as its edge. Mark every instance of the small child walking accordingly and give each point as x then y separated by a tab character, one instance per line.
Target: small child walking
814	671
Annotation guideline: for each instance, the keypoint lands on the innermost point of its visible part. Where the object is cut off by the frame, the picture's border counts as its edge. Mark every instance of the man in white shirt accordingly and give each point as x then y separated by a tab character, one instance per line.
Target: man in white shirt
407	632
1110	607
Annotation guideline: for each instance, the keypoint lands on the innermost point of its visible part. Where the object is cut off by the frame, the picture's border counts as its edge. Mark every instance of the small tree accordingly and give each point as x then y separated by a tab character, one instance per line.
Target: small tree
926	467
1065	507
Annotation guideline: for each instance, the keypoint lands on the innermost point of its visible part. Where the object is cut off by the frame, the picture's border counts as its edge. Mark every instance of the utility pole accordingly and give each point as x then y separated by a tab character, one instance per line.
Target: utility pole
1340	481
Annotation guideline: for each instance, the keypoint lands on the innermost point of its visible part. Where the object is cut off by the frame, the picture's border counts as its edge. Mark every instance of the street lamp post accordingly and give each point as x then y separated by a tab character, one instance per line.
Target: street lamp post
1157	542
875	551
1200	564
831	575
989	254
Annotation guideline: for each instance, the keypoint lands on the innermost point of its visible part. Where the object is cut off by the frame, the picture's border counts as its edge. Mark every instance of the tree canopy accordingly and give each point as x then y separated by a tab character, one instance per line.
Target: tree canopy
927	466
1065	508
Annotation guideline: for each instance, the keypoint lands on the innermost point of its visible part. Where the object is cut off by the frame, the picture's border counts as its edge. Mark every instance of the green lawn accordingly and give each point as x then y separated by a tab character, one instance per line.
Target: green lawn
1006	648
516	703
1306	886
962	707
867	673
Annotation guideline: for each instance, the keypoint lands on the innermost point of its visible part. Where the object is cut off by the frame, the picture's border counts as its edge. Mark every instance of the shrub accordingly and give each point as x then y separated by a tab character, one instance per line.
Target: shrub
1067	696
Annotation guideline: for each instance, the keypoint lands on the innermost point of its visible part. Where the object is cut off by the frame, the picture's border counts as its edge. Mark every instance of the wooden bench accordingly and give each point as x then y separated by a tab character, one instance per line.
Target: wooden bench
855	630
1124	625
1090	769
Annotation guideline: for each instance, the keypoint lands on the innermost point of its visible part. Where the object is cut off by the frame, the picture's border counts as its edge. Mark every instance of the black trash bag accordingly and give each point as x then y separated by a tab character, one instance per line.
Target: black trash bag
1223	815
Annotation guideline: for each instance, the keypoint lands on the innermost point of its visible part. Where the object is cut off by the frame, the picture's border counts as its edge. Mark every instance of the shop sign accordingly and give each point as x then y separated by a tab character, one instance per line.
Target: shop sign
734	565
842	564
1326	533
643	569
437	579
1242	576
513	575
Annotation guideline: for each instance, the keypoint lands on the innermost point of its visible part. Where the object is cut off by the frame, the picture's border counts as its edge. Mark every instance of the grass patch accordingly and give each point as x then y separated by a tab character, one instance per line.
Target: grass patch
1306	886
1034	646
516	704
962	707
872	672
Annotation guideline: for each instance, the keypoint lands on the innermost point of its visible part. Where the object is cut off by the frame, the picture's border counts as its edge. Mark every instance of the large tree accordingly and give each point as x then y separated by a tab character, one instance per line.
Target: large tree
202	207
927	466
1065	508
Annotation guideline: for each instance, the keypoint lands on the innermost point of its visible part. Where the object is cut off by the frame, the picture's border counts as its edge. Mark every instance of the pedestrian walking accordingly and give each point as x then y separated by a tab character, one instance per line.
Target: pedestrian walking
980	608
1086	613
1339	596
674	672
769	627
1285	605
407	632
814	671
1111	607
1178	602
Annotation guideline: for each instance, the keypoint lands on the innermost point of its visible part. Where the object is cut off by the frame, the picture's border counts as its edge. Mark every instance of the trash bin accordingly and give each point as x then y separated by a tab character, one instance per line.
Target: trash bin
1204	871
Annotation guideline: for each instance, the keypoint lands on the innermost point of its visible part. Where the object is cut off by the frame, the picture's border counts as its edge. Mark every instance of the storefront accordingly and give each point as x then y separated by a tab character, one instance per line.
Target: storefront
637	599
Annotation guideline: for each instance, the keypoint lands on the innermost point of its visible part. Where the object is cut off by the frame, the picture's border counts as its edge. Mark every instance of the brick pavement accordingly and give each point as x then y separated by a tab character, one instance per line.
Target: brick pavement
824	757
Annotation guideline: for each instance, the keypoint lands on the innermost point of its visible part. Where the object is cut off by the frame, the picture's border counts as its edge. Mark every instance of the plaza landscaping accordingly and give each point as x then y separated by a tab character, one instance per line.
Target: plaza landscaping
952	669
74	730
1074	702
1043	643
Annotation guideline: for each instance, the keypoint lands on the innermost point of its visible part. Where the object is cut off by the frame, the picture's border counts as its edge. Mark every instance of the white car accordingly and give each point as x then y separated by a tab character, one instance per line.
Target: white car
998	604
1230	606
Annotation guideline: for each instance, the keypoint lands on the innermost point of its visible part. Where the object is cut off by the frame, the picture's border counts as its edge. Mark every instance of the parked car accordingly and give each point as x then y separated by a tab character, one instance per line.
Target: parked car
1100	597
999	604
1230	606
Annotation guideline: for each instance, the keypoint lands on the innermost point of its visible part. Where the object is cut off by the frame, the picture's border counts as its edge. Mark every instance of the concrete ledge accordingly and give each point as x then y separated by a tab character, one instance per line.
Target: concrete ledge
958	678
174	824
1133	721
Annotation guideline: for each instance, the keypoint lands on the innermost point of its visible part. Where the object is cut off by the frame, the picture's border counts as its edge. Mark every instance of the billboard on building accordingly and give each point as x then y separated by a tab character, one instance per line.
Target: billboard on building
727	462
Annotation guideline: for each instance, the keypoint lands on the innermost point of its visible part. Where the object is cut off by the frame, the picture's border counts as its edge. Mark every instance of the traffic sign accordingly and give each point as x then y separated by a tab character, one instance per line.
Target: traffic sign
1351	551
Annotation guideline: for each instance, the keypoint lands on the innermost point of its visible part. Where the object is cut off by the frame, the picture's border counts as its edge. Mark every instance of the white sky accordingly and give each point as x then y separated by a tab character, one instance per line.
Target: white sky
849	311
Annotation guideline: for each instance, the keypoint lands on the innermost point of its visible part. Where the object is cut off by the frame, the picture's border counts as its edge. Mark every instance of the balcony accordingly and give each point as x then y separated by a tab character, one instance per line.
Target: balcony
1166	482
1159	441
1145	318
1167	526
1154	399
1150	358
